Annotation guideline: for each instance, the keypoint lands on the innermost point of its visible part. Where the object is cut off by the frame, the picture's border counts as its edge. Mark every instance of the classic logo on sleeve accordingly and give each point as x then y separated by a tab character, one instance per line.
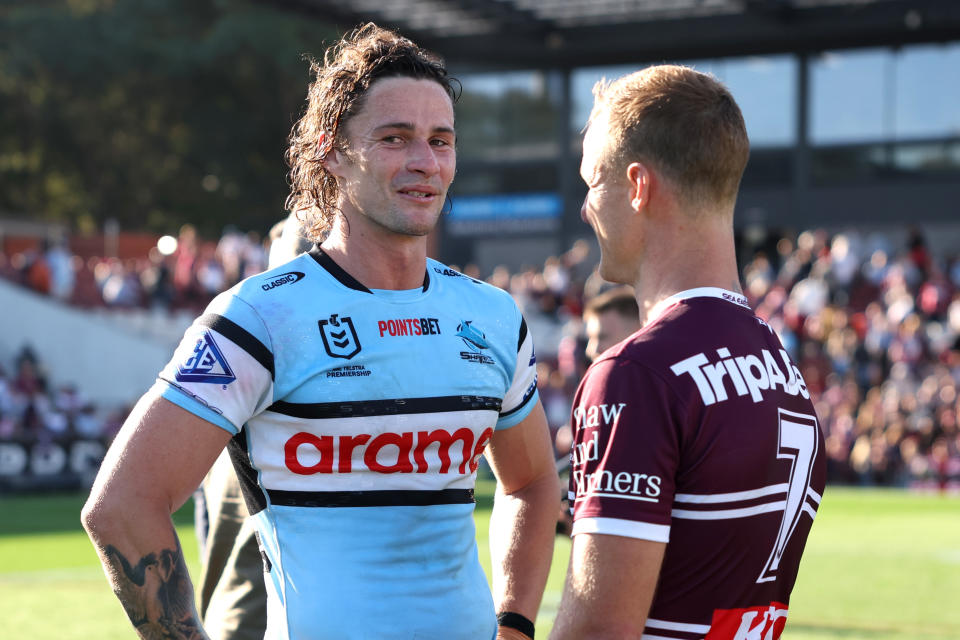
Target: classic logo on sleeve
206	363
282	279
339	337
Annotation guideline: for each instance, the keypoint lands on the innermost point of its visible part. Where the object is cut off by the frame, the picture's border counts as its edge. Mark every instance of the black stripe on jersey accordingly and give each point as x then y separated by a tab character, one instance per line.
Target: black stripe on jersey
394	406
252	493
523	403
240	337
336	270
523	333
386	498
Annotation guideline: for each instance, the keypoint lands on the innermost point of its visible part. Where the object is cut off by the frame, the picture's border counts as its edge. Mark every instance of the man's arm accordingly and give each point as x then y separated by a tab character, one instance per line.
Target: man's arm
523	522
609	588
157	460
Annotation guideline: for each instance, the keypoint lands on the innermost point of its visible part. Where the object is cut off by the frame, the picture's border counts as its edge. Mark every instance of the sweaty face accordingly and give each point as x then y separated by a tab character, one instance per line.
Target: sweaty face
606	205
399	159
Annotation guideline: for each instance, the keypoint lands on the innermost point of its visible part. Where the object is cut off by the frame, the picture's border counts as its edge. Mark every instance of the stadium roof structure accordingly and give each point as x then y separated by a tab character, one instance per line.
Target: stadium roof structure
571	33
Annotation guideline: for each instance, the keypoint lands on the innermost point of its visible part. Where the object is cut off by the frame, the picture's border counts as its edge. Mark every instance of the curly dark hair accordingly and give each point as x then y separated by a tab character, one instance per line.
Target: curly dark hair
337	93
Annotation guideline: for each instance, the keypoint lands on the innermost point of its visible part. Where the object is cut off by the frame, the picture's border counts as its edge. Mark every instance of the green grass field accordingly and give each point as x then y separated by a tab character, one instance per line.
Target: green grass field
879	565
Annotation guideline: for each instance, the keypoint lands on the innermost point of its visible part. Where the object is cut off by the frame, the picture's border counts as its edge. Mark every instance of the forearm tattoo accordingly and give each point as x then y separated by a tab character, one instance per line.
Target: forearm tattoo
156	594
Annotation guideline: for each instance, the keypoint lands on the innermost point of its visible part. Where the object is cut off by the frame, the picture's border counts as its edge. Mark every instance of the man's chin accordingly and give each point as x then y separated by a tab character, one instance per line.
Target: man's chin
610	273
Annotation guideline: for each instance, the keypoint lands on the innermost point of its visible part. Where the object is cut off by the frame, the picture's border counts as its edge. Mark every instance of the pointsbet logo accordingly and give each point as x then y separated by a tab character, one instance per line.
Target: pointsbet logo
409	327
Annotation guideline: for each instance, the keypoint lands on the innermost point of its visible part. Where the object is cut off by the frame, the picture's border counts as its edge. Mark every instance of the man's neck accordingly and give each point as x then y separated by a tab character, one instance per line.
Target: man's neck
378	261
686	261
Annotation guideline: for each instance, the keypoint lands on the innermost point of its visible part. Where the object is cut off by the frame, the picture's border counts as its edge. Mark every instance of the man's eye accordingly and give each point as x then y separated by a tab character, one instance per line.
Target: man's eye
392	139
440	142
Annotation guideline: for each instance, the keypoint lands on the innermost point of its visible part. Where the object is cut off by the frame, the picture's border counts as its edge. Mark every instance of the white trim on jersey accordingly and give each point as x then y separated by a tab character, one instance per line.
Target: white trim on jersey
708	498
625	528
524	382
730	514
700	292
738	496
654	623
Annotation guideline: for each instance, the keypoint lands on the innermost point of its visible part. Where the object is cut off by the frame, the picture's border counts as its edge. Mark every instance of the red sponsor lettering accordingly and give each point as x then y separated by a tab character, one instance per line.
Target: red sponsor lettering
403	442
752	623
347	443
378	452
409	327
322	444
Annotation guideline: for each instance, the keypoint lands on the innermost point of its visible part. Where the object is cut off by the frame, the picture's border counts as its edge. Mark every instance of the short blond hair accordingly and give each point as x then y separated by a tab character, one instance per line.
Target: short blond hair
684	123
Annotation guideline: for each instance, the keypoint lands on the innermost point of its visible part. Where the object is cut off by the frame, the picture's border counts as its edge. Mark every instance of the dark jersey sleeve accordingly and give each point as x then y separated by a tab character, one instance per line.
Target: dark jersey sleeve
625	452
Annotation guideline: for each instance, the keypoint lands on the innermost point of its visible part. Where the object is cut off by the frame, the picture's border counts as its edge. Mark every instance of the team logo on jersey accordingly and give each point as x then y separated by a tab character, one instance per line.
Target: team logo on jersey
475	340
339	337
282	279
472	337
206	363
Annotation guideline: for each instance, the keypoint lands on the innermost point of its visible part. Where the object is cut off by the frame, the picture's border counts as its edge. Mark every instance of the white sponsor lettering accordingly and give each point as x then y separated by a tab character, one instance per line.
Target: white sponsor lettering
748	374
590	415
585	451
607	484
763	629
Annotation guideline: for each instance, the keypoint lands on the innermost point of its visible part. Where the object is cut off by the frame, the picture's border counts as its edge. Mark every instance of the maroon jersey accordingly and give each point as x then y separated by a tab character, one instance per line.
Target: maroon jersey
698	431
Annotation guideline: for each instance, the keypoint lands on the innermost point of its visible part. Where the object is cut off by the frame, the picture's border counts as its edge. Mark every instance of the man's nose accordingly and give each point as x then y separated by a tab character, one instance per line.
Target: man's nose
422	158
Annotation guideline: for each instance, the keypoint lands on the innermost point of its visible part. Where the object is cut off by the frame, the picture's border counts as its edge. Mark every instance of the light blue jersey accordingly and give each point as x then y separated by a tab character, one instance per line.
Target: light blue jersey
360	417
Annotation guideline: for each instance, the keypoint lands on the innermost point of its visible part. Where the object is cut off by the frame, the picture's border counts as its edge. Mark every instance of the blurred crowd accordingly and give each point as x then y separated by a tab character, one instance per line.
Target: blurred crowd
186	278
873	326
32	411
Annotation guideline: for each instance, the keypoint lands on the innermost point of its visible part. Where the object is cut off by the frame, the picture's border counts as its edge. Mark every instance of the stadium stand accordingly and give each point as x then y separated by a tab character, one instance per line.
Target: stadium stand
874	326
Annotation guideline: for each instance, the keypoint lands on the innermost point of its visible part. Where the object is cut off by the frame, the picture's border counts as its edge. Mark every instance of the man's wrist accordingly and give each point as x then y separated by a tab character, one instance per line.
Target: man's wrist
517	621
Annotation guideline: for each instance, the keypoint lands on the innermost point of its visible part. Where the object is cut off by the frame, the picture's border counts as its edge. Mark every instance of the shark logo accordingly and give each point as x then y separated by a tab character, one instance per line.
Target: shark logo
472	337
206	363
339	337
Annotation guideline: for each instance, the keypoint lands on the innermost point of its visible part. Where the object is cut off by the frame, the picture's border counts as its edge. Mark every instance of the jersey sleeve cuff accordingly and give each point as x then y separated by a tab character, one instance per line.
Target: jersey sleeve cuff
625	528
517	414
182	399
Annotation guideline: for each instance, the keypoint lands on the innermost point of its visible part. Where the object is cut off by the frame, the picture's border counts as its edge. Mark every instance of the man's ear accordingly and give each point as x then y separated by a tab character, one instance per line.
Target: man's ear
640	178
327	153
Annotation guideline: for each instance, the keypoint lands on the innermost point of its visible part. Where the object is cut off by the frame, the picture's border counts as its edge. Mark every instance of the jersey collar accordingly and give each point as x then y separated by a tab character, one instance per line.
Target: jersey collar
345	278
700	292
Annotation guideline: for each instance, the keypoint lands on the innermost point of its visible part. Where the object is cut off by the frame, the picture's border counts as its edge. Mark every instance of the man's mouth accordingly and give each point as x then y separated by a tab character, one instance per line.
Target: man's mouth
419	194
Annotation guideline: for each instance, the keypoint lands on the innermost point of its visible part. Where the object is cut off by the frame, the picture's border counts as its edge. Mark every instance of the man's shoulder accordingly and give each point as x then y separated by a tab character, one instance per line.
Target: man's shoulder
270	295
462	284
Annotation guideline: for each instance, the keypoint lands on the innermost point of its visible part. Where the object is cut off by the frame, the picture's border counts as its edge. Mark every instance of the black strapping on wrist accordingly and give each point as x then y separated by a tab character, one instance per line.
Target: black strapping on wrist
516	621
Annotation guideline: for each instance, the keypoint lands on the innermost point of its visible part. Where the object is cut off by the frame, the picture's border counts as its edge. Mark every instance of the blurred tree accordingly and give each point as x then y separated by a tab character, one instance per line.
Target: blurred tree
150	112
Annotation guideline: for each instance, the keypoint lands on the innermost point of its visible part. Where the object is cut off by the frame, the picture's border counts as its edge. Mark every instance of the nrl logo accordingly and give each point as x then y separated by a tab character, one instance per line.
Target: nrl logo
339	337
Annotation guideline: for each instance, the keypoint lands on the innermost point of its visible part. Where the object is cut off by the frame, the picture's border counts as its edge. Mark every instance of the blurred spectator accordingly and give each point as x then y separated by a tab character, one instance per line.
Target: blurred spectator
610	318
